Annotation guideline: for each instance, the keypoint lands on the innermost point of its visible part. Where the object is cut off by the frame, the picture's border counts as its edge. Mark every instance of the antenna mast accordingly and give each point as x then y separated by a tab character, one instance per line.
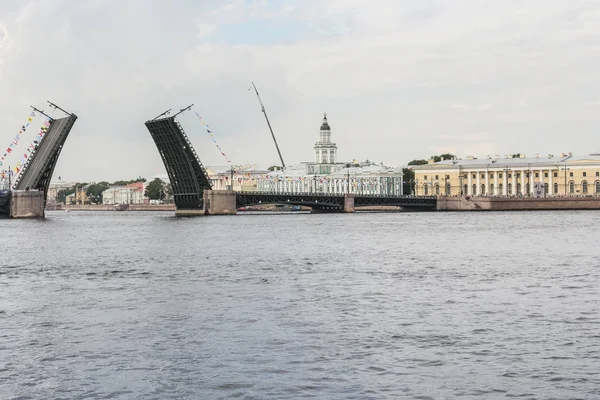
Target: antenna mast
268	123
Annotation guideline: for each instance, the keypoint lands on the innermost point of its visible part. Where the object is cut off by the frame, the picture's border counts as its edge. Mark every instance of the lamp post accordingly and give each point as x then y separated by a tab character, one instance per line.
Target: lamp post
565	169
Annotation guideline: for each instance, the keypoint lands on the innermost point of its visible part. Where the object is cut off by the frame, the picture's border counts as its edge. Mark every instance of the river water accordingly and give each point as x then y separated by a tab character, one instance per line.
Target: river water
125	305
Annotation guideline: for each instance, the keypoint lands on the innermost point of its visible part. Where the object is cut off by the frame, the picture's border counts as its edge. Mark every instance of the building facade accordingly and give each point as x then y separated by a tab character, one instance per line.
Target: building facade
127	194
566	175
329	176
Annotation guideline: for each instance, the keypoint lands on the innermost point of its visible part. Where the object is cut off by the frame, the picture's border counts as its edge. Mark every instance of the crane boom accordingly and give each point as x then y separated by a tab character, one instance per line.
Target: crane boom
268	123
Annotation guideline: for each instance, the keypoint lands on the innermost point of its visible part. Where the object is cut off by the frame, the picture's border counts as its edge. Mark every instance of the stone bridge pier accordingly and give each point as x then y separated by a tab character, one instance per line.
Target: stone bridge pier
220	202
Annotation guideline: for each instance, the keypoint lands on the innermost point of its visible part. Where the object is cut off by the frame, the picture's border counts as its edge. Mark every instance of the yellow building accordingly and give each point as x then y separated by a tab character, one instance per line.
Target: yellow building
494	176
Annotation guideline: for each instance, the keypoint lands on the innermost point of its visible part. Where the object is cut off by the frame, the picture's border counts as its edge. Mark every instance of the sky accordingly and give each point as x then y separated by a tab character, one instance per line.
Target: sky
398	79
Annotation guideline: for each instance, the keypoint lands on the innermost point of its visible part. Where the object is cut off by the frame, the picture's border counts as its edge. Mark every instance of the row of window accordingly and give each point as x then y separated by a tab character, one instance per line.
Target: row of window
448	188
537	175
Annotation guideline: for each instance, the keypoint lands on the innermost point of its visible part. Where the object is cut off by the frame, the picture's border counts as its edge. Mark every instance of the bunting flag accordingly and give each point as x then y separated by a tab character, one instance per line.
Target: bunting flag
207	127
17	138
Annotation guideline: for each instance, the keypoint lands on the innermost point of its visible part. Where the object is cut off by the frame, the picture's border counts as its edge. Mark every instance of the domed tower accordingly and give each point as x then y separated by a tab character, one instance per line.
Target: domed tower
325	150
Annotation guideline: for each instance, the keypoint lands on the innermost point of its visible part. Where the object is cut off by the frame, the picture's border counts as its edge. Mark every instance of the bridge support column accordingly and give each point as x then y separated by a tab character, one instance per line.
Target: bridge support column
348	203
27	204
220	202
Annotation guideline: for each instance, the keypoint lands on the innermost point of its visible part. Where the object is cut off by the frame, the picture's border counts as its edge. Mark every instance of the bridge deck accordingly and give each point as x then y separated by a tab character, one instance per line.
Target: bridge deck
186	173
334	201
37	172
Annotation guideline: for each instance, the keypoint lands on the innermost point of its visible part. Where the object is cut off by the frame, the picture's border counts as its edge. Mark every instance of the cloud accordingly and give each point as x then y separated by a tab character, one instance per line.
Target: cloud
393	78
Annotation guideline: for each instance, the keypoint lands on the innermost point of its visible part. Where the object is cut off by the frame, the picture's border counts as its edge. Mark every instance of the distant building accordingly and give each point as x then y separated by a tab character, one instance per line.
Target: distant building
508	176
127	194
327	175
244	177
55	187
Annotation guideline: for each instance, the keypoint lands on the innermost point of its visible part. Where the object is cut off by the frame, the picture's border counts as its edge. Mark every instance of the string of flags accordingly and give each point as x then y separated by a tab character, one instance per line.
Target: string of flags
11	149
207	127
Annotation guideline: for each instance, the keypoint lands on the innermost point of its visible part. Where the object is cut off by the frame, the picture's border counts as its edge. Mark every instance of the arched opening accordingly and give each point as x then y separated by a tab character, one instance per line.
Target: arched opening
474	189
545	189
465	189
500	189
510	189
491	192
448	189
584	187
425	190
555	188
527	191
519	189
483	189
571	187
597	186
437	189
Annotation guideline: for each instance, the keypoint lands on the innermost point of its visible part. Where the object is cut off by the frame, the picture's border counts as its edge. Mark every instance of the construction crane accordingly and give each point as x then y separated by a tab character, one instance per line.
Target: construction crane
268	123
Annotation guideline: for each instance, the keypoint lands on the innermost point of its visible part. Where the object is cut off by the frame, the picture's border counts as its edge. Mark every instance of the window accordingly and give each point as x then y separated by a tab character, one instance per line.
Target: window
500	176
510	189
556	174
491	174
492	188
482	189
545	189
584	173
537	174
448	189
510	175
500	187
474	176
474	189
466	189
545	174
571	187
570	174
584	186
436	177
518	174
425	177
483	175
555	188
437	190
597	186
519	188
527	191
425	190
597	173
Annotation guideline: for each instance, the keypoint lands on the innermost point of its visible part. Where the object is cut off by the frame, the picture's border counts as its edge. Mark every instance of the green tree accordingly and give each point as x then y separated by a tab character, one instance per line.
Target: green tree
274	168
94	191
418	162
155	190
61	196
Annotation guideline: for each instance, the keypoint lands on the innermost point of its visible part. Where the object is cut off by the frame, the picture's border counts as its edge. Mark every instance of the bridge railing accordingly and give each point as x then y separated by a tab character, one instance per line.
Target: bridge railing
189	144
321	194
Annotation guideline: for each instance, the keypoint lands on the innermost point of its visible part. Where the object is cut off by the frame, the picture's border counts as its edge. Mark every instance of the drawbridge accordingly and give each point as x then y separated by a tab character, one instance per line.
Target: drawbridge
37	171
187	176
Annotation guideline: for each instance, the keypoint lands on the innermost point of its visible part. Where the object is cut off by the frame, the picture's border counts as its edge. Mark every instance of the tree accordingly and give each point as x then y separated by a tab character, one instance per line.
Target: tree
155	190
274	168
418	162
61	196
94	191
129	182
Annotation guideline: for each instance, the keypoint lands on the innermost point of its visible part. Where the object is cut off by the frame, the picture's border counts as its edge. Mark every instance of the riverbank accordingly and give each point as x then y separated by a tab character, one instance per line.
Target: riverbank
516	203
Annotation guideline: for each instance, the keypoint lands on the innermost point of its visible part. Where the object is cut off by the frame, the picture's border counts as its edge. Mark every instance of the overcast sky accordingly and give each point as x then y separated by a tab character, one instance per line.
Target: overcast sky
399	79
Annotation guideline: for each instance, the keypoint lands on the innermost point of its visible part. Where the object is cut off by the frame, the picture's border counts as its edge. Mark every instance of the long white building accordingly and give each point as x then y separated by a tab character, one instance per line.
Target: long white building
327	175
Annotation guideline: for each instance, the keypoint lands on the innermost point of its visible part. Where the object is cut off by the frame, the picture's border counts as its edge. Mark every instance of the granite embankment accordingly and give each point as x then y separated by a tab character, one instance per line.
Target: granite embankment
517	203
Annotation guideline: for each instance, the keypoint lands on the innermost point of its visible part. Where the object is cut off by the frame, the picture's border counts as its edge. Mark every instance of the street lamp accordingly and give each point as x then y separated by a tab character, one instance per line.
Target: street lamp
565	169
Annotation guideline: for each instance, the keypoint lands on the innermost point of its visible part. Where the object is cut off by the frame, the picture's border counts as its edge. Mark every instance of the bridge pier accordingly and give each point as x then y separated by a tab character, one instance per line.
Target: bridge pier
27	204
348	203
220	202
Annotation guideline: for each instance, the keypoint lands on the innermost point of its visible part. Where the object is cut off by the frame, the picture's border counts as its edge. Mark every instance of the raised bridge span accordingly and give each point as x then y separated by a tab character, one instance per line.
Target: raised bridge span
190	182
